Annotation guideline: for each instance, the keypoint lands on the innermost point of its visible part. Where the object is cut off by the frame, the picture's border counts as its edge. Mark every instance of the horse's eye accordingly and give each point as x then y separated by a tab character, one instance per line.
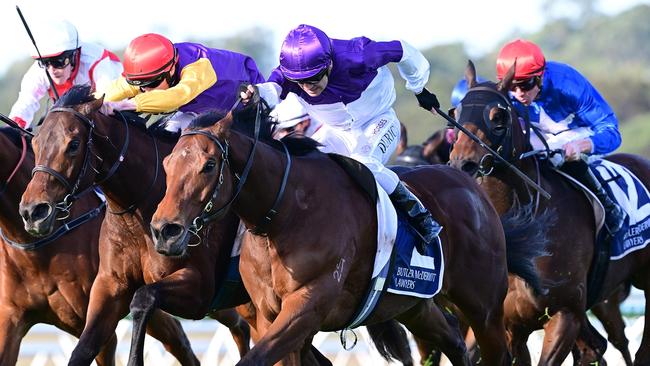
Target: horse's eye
209	166
73	146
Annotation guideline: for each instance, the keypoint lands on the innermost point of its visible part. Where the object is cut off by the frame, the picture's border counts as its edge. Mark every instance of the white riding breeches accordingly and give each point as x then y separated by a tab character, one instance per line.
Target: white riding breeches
371	144
178	121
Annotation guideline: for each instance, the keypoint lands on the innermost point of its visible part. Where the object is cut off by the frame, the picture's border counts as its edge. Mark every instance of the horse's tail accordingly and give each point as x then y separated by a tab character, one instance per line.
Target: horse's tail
391	342
526	240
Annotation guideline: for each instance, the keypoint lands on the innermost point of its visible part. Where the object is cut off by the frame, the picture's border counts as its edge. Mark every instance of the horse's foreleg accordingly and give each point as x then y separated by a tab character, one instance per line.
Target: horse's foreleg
609	314
427	322
106	355
108	304
298	320
590	345
12	331
239	329
169	332
560	334
642	356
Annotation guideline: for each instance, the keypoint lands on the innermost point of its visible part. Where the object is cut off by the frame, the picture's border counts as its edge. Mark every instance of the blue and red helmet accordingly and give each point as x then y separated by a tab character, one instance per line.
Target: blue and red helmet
306	51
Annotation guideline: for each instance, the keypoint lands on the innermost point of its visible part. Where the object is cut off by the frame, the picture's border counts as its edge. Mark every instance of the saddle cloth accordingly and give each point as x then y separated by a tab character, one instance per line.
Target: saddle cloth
633	197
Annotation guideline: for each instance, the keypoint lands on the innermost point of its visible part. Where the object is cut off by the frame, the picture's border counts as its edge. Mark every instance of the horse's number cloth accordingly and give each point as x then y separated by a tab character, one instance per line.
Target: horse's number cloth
411	274
634	199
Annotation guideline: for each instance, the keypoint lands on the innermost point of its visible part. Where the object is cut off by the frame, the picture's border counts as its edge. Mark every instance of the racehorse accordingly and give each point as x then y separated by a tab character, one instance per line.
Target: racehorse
48	280
307	266
435	150
77	148
486	111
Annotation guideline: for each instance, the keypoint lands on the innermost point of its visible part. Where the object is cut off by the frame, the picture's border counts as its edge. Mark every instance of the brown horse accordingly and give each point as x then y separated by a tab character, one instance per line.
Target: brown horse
78	147
48	280
561	312
308	269
435	150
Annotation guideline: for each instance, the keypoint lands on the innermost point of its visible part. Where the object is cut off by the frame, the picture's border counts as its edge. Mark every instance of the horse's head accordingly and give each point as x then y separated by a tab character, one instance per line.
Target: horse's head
198	179
64	160
486	111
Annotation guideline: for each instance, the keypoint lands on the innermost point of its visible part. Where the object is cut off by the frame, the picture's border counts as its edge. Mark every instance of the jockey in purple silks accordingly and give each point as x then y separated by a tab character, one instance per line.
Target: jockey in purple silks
346	85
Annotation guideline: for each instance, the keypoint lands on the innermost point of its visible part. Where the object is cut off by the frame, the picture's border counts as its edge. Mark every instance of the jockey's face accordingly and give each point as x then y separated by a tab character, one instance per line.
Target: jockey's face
313	89
163	85
60	76
525	97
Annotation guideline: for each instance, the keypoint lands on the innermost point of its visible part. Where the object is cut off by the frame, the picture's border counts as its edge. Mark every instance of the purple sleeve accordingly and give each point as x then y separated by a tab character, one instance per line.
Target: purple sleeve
378	54
286	85
254	74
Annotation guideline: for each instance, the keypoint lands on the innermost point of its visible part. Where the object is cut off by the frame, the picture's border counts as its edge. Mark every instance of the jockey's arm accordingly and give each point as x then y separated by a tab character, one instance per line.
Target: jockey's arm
33	88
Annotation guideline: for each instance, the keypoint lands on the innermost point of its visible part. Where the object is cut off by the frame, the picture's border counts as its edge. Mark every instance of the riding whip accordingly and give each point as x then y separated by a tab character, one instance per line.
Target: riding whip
49	78
475	138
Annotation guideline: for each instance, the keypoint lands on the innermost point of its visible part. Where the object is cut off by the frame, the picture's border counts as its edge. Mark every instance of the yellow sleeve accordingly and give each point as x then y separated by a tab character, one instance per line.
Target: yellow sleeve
195	79
119	90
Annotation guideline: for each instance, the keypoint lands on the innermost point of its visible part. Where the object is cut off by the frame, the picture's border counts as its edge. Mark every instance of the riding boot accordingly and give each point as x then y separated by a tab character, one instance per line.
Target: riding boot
418	216
614	214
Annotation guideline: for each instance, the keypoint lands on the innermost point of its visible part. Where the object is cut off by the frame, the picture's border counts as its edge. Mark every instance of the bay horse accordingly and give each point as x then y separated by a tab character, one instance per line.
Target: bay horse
77	147
436	150
310	267
48	280
561	312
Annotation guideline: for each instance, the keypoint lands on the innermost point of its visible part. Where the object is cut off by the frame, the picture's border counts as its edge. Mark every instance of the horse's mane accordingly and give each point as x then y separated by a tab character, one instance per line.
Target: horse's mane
14	136
244	122
81	94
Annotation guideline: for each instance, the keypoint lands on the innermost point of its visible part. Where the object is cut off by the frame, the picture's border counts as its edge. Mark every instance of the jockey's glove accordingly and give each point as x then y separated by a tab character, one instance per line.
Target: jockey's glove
427	100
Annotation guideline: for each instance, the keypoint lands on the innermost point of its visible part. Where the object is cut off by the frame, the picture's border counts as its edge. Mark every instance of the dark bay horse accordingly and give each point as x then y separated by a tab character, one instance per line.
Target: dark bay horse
48	280
436	150
561	312
309	269
77	147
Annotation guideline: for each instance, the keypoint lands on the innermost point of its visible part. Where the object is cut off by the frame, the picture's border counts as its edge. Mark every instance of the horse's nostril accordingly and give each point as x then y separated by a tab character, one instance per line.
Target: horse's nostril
41	211
171	231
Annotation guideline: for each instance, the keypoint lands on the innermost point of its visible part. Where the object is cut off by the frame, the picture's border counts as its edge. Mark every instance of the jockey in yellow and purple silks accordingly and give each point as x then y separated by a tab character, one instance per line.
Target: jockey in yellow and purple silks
162	77
347	85
568	113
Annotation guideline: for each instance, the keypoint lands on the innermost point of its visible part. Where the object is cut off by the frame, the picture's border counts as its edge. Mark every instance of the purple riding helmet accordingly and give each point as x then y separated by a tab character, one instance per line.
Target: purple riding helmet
305	52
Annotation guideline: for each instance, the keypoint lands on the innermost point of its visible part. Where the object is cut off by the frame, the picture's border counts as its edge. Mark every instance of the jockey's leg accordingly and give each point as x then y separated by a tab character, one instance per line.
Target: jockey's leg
614	215
375	144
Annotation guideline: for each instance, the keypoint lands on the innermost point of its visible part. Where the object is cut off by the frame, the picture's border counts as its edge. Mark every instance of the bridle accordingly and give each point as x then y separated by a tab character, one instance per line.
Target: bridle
74	191
207	213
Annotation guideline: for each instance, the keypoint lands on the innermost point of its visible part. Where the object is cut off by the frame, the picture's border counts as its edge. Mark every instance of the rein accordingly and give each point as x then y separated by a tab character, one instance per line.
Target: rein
73	195
206	216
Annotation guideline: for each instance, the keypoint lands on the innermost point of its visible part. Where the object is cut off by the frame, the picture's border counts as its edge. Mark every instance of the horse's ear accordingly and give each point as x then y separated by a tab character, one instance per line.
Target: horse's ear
470	74
223	126
89	108
505	83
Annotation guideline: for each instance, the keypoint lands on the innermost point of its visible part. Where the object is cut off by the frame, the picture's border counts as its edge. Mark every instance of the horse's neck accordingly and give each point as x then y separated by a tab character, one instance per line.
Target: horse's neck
263	182
10	221
133	181
504	187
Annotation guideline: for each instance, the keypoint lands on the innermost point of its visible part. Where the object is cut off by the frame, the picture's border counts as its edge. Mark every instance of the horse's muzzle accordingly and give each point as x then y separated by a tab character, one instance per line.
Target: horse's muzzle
38	218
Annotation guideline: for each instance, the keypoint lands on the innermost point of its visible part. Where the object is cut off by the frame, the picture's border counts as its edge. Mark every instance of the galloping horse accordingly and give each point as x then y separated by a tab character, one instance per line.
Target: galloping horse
309	268
78	147
486	111
48	280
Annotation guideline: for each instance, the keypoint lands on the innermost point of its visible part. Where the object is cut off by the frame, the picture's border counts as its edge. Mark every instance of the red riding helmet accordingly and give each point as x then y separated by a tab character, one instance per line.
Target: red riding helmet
530	59
148	56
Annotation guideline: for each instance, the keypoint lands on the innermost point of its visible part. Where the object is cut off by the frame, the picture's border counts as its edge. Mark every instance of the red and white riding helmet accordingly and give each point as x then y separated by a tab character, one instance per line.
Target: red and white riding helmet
148	56
55	37
530	59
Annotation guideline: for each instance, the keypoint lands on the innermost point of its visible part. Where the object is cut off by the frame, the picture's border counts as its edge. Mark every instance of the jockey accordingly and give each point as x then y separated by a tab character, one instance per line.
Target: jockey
292	118
567	111
347	85
68	61
186	78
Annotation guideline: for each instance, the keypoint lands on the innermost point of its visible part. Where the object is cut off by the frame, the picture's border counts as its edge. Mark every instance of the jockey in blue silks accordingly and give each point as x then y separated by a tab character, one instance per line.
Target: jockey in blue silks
346	85
568	112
